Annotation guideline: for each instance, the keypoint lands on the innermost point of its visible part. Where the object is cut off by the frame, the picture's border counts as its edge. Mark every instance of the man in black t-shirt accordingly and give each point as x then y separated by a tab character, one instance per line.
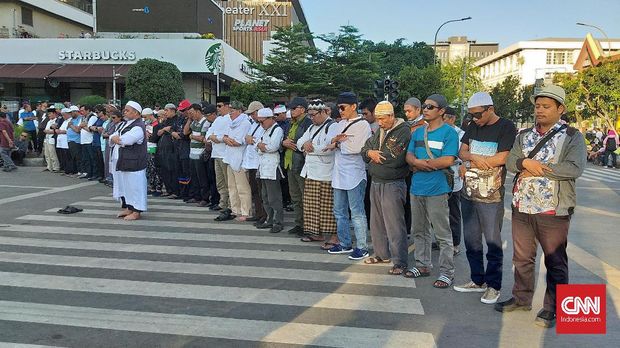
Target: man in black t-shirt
485	147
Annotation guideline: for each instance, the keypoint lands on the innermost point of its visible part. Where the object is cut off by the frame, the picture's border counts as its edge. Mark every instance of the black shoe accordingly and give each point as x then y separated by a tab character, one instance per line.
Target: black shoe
264	226
296	230
545	319
511	305
191	201
276	229
259	222
103	181
215	207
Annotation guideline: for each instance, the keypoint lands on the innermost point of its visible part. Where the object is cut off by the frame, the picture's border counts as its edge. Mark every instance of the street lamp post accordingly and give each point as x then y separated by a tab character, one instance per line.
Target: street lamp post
437	32
602	32
114	77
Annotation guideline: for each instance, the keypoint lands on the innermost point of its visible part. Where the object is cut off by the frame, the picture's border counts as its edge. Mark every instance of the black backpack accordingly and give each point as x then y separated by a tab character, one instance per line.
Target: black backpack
611	144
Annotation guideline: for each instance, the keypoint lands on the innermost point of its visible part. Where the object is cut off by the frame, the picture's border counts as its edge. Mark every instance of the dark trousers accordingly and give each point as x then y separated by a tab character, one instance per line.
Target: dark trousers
88	159
40	140
552	233
63	158
286	196
33	144
75	158
18	157
613	158
408	204
185	178
272	201
200	188
484	219
214	195
454	204
257	198
367	198
98	161
124	205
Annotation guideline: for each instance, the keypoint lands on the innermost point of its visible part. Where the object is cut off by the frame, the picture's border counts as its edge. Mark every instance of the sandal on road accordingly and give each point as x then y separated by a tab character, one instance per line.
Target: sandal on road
312	238
442	282
397	270
417	272
329	245
375	260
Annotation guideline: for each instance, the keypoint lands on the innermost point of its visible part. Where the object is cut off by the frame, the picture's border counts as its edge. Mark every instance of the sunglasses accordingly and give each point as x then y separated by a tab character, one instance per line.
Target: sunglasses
219	105
342	107
429	107
478	115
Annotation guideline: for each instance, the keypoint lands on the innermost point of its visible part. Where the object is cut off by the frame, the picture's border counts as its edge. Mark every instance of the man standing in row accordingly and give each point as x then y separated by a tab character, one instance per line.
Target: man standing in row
215	135
385	154
294	160
484	150
239	190
432	150
250	162
49	141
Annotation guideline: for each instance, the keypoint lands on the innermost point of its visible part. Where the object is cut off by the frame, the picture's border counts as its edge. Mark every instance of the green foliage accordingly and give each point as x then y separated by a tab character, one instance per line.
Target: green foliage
419	82
92	100
506	97
596	89
452	80
397	55
249	92
151	82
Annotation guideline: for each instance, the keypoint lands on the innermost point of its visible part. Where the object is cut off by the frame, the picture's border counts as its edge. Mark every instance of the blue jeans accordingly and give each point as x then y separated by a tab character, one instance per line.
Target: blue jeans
351	199
484	219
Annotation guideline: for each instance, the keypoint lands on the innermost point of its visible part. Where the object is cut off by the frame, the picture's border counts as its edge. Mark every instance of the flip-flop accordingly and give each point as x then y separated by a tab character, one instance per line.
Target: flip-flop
442	282
328	245
375	260
310	238
416	272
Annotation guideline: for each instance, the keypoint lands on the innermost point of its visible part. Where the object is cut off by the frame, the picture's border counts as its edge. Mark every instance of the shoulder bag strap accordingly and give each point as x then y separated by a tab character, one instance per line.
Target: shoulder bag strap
428	149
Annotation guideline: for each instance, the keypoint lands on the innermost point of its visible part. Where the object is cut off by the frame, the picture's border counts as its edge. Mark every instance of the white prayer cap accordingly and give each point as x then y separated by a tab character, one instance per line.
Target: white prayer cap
479	99
265	112
134	106
65	110
279	109
74	108
147	111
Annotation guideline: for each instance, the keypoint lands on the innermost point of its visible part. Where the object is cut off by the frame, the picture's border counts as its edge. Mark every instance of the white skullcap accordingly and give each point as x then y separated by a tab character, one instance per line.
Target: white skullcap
479	99
74	108
147	111
65	110
134	106
265	112
279	109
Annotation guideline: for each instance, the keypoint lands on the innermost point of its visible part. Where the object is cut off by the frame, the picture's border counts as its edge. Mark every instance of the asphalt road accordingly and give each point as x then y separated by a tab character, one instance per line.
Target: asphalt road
179	279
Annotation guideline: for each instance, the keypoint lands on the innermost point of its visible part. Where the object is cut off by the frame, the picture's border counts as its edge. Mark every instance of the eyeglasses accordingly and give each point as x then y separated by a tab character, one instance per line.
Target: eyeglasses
219	105
342	107
478	115
429	107
313	114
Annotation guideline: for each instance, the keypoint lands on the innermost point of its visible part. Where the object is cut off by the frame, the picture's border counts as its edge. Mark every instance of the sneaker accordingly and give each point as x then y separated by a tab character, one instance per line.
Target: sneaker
337	249
264	226
545	319
511	305
470	287
82	176
490	296
358	254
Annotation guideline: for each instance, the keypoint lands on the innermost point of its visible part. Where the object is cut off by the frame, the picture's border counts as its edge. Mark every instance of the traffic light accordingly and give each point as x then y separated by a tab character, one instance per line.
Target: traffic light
390	89
378	90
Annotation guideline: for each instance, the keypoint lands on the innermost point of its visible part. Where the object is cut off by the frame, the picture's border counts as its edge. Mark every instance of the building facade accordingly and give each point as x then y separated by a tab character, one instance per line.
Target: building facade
45	19
532	60
458	47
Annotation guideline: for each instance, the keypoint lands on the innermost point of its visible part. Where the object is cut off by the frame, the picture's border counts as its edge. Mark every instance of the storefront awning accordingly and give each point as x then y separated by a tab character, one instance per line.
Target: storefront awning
26	71
90	72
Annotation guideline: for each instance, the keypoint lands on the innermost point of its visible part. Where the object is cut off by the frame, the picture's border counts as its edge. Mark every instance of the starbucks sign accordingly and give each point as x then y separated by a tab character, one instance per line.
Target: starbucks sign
214	58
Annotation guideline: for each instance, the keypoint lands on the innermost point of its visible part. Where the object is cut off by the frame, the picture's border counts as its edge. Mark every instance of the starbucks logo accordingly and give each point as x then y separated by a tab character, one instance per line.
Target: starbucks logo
214	58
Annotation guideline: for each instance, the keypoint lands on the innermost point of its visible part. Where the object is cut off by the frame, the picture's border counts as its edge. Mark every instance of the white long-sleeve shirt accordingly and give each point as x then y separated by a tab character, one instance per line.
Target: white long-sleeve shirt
269	161
319	164
349	167
219	128
250	156
134	136
237	131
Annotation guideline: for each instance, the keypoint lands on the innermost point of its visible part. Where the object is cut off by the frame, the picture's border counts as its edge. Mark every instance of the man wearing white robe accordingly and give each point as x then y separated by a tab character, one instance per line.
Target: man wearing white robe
128	163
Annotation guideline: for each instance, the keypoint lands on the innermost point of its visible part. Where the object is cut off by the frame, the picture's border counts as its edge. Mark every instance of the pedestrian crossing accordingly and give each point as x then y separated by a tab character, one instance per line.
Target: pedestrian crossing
177	277
600	174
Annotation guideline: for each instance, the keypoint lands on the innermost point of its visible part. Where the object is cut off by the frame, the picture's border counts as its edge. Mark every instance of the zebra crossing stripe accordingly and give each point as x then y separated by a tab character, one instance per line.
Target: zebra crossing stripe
217	327
216	293
343	277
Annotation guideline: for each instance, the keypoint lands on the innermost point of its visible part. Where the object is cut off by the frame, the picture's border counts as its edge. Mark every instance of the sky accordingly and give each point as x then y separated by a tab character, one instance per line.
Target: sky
502	21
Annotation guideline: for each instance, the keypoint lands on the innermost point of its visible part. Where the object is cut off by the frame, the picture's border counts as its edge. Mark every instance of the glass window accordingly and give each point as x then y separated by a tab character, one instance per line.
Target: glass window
27	16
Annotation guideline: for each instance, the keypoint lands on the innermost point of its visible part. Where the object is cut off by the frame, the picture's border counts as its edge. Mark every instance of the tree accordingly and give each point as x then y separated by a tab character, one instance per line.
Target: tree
346	65
290	68
249	92
452	80
151	82
525	108
419	82
397	55
507	97
597	89
92	100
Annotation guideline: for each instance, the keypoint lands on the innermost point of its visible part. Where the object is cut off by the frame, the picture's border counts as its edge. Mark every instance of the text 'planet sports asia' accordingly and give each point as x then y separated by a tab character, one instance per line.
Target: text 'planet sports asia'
97	55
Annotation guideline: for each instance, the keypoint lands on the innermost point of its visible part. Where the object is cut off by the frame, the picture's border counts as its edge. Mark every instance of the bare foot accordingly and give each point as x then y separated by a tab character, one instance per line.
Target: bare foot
133	216
123	213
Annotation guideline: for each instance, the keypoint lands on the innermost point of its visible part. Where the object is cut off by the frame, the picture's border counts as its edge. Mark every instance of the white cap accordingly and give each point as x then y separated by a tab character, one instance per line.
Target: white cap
65	110
265	112
479	99
279	109
74	108
134	105
147	111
